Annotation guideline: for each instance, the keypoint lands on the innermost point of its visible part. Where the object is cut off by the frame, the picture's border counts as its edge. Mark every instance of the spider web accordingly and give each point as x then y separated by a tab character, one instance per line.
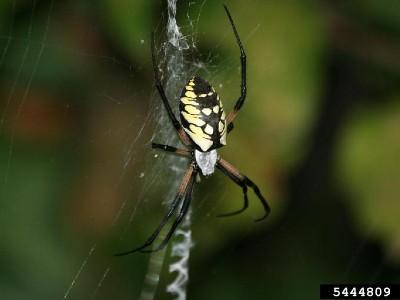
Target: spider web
174	71
94	272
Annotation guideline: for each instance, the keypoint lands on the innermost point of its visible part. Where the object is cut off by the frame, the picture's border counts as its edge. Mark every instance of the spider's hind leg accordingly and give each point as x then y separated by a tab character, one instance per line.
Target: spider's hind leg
178	220
155	234
244	182
230	127
245	198
185	187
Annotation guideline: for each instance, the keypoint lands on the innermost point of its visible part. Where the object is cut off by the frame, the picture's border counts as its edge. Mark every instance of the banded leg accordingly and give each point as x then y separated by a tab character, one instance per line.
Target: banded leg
182	152
243	86
244	182
178	220
182	135
186	183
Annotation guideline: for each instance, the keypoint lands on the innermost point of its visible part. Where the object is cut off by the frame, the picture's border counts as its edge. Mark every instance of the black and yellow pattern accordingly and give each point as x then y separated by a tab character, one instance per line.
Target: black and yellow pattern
202	115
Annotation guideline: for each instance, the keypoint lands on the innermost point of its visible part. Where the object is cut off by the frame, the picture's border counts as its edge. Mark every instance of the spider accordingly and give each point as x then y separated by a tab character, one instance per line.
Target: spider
203	129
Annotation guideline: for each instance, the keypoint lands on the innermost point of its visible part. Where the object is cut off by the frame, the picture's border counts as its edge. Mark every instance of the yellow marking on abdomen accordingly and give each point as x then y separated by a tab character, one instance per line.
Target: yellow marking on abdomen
221	126
222	140
189	101
198	131
190	94
193	119
192	110
204	144
206	111
199	137
209	129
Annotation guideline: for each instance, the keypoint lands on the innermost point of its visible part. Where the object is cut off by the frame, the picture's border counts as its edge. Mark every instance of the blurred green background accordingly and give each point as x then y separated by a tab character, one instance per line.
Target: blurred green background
319	133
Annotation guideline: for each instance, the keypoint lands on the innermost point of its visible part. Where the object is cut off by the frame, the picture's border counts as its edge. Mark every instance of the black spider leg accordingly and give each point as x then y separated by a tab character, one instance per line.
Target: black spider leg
239	182
182	135
167	148
243	86
186	182
179	218
244	182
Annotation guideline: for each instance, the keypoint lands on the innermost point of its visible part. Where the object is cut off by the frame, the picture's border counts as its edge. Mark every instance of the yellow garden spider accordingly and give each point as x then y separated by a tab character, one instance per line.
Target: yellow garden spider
202	130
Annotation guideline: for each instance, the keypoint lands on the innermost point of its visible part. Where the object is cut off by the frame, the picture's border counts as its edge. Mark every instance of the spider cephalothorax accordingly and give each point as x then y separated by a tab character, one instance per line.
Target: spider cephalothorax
203	129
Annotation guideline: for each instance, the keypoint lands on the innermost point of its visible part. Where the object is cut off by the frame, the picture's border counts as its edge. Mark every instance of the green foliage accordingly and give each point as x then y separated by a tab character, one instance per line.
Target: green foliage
129	24
368	168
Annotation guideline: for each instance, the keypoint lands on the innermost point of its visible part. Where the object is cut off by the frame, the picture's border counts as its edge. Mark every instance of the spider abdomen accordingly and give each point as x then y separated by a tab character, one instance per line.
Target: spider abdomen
202	115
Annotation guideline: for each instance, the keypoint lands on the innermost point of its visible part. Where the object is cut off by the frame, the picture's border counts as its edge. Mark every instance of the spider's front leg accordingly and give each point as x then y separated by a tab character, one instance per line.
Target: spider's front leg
178	127
243	86
244	182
